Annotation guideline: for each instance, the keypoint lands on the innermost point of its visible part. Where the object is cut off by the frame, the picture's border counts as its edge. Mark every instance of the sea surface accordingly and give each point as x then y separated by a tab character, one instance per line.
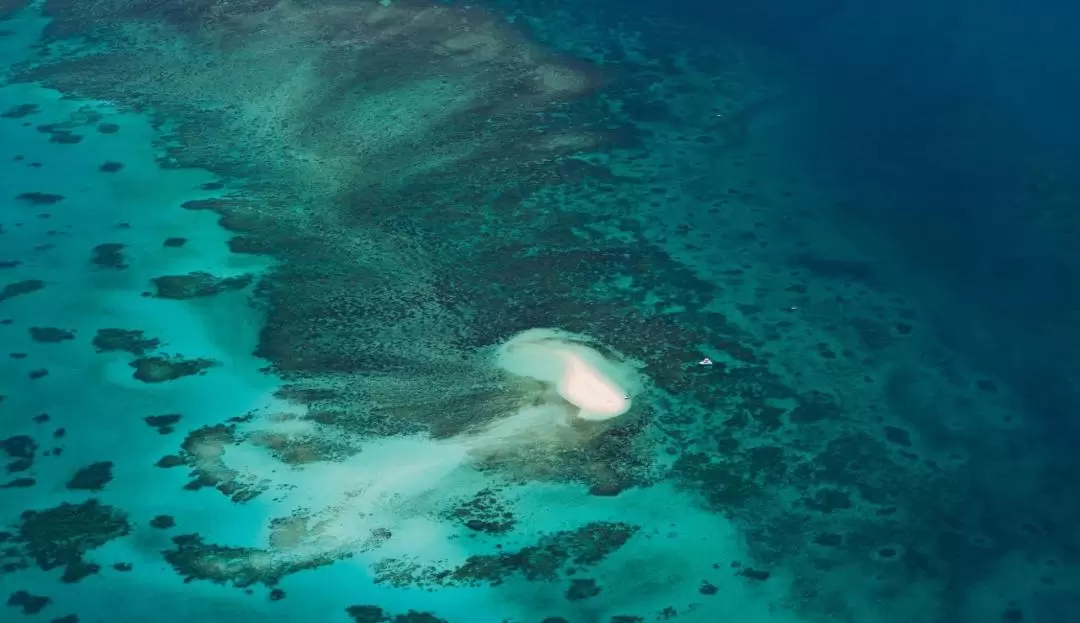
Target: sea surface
261	262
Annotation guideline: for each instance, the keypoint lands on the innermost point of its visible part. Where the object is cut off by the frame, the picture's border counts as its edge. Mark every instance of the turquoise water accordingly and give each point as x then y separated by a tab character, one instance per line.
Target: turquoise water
260	264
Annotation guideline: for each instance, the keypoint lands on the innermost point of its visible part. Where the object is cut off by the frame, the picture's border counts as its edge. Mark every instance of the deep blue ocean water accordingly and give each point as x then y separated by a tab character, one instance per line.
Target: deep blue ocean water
291	294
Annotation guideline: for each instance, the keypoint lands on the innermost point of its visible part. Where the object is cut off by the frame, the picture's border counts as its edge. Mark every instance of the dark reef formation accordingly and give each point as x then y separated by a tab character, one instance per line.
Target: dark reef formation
375	614
58	537
160	369
109	255
29	604
20	288
203	451
93	477
21	449
553	556
239	566
50	335
196	285
128	340
164	424
486	513
39	198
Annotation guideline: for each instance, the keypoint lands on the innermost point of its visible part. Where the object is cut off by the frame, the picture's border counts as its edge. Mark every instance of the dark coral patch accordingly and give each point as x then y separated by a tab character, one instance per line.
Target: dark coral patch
59	536
93	477
485	512
29	604
127	340
754	574
240	566
21	449
215	205
553	556
50	335
375	614
582	588
197	285
20	288
20	111
19	446
898	436
65	137
724	483
170	460
249	245
110	166
109	255
163	423
159	369
39	199
78	571
163	522
367	614
814	407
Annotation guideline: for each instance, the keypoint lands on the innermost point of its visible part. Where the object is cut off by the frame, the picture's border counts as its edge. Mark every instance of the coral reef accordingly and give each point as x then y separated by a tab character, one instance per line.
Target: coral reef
375	614
163	522
60	536
240	566
203	451
20	448
93	477
39	198
553	556
163	423
196	285
20	288
109	255
485	512
160	369
127	340
50	335
29	604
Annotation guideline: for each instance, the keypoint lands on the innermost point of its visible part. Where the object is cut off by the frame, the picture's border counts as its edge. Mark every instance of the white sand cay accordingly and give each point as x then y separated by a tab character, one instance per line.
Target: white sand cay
598	397
600	389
